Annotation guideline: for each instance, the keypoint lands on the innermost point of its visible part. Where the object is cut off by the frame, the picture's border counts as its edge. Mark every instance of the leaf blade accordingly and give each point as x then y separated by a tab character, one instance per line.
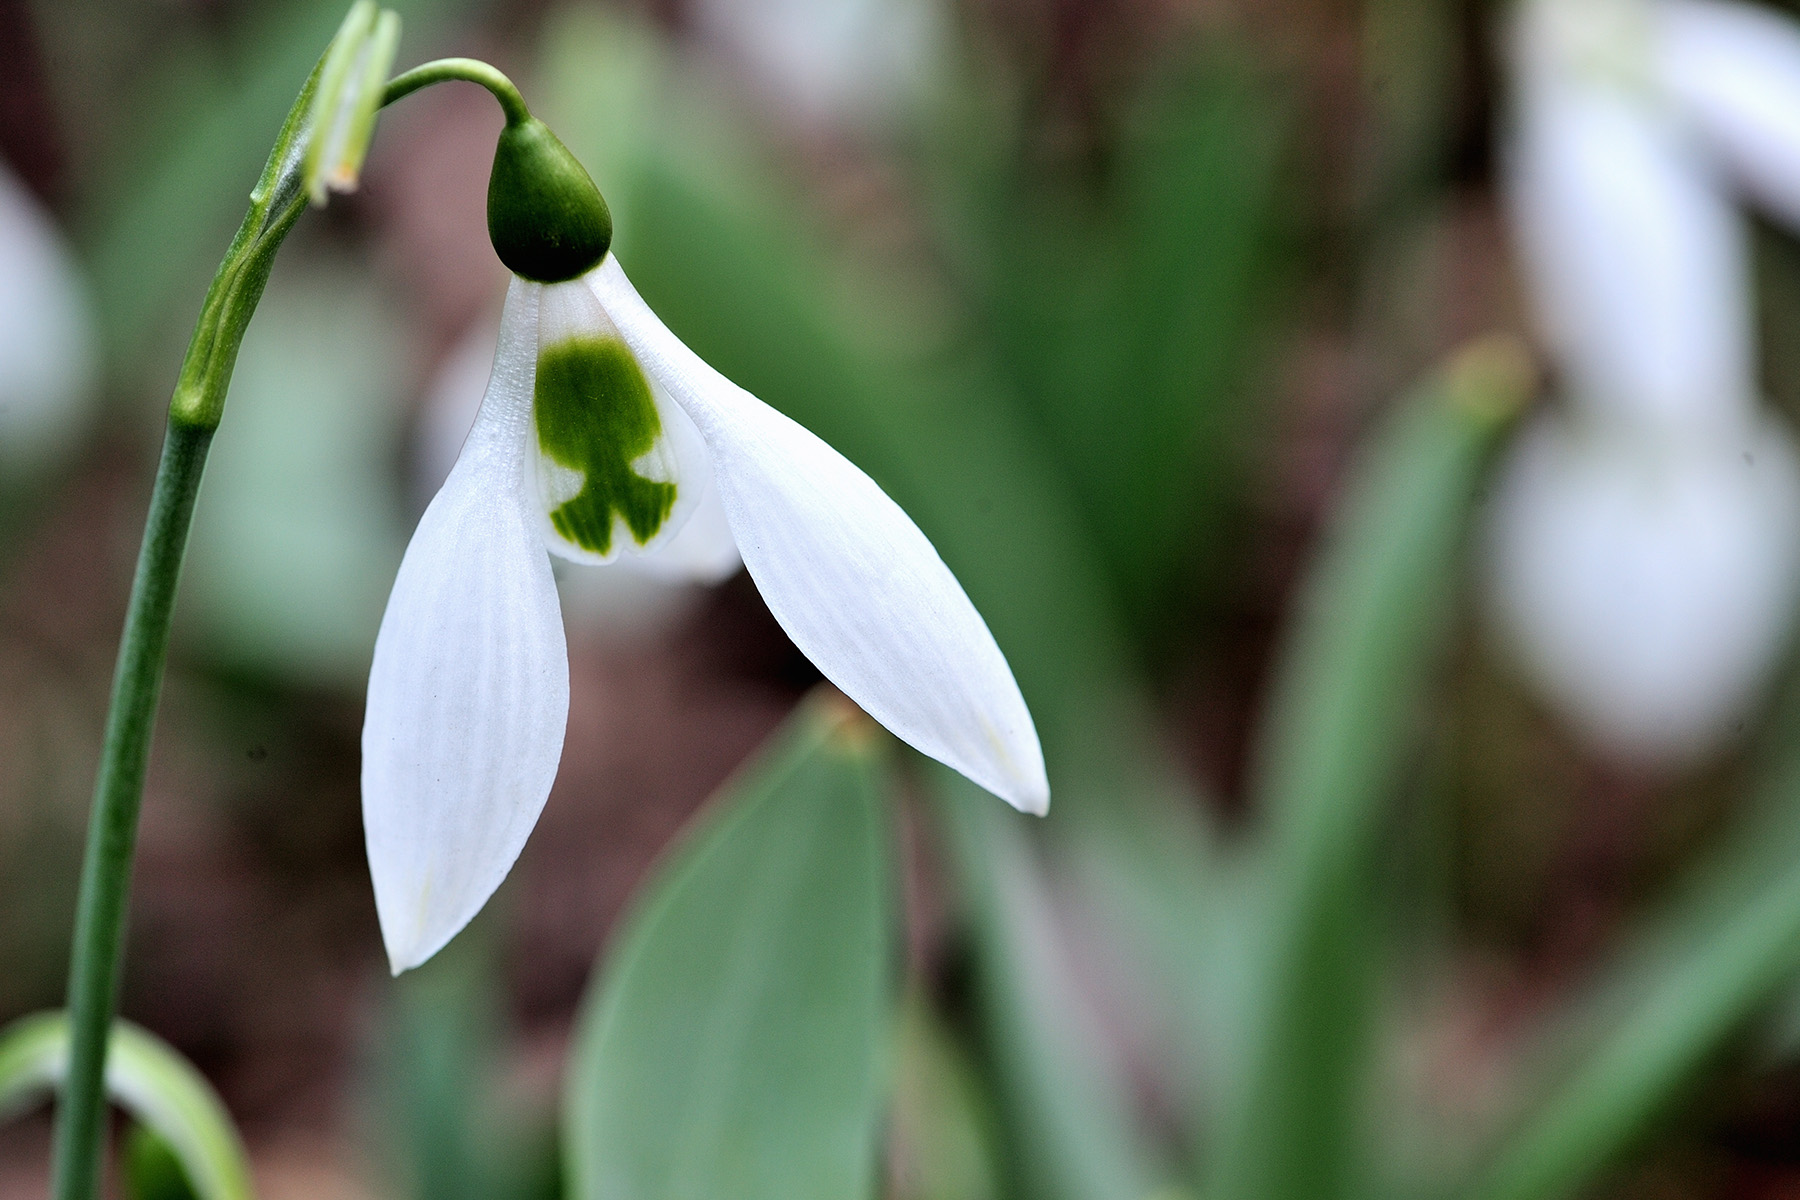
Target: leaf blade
737	1038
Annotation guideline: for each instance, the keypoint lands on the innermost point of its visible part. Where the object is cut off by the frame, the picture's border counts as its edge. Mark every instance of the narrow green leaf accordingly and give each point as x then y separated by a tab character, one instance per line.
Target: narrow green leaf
1064	1096
735	1043
1348	693
1719	950
943	1140
1130	314
149	1079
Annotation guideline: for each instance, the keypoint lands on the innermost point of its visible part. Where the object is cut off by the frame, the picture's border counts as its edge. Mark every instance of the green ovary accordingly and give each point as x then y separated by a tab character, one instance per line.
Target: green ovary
595	415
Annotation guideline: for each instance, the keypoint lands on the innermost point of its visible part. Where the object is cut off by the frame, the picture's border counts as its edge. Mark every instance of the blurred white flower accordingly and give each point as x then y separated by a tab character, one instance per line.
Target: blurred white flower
1644	560
831	62
603	437
48	350
1646	579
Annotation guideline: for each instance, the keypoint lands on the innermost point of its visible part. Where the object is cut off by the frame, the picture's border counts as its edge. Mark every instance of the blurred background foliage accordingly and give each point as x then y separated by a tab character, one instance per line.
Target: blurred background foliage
1141	309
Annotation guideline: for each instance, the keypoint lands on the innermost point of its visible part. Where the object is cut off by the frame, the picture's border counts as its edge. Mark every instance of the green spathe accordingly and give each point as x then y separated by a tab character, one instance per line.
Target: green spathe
595	415
546	218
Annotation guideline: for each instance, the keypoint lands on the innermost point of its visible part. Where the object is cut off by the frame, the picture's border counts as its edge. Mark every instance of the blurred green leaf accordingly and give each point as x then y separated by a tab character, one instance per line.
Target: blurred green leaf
437	1055
942	1129
1351	684
146	1077
151	1169
1616	1058
449	1128
735	1042
1067	1103
1130	310
884	363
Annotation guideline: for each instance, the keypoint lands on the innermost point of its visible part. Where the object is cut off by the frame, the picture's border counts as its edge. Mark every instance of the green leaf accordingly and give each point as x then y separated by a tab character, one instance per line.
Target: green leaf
943	1131
151	1169
735	1042
1066	1102
1130	315
1349	691
149	1079
1719	950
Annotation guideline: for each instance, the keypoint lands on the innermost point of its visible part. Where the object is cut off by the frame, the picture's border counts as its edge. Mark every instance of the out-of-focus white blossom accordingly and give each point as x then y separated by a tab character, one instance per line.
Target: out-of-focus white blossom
48	352
1646	579
1645	562
831	62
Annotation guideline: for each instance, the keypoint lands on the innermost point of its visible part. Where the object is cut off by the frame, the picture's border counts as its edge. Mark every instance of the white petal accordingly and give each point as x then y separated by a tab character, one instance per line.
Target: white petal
847	574
1734	71
469	692
702	551
1634	256
1648	585
676	455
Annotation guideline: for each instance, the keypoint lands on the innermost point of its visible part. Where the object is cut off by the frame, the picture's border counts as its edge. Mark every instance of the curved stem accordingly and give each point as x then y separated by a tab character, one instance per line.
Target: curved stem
470	70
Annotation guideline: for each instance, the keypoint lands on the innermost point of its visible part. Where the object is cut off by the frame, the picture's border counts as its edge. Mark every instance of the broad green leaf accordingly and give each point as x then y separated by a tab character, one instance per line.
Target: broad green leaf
735	1042
1066	1101
1350	687
146	1077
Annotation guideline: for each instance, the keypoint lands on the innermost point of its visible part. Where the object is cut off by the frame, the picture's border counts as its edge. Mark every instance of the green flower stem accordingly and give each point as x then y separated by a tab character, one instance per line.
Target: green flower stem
194	413
118	794
470	70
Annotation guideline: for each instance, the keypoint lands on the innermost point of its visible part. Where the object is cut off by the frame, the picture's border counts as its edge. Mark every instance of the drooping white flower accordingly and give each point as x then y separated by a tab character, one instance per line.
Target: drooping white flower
1644	560
602	436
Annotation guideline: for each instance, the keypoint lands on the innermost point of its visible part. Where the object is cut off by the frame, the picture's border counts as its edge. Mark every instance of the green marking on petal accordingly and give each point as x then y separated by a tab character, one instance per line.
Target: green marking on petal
595	415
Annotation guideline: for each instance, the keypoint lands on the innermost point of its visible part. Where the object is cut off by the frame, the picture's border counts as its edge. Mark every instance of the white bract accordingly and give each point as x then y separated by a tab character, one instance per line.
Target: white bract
1645	562
603	436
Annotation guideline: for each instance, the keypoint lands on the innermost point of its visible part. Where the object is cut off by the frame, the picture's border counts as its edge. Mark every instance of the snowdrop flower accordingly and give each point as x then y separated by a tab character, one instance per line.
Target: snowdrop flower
1644	554
602	437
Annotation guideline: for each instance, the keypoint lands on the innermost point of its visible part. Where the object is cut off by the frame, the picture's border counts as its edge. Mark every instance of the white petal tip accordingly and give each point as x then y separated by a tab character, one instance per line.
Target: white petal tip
1033	802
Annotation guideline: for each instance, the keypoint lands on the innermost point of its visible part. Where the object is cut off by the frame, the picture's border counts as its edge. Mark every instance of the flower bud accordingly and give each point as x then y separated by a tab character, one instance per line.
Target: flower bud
348	95
546	218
